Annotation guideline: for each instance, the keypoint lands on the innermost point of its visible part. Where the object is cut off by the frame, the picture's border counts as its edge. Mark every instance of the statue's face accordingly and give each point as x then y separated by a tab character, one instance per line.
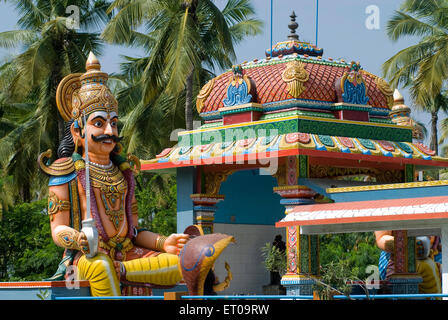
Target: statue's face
101	131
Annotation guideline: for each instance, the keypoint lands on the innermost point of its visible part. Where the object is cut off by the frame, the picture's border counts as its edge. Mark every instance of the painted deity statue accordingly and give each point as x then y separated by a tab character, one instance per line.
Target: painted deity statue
428	259
427	268
125	253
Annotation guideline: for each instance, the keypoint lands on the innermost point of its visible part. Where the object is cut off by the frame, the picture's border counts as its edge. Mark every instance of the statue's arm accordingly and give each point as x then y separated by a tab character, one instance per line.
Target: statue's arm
153	241
59	210
385	240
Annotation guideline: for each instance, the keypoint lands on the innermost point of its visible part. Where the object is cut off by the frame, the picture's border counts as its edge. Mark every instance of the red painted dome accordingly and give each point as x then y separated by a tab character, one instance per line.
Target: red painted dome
321	84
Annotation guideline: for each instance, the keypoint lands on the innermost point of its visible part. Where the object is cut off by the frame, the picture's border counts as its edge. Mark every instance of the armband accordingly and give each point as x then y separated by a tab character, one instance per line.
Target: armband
160	242
68	239
56	205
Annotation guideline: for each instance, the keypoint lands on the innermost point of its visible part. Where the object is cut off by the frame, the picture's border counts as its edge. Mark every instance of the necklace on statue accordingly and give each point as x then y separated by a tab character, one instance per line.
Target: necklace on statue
112	185
101	166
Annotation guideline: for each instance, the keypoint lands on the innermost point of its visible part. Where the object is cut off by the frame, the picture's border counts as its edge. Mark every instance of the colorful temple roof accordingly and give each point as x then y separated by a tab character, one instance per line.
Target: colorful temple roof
293	144
268	77
295	101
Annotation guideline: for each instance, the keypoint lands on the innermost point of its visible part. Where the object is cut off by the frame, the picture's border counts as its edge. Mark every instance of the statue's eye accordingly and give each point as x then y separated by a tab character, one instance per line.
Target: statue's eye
113	123
98	124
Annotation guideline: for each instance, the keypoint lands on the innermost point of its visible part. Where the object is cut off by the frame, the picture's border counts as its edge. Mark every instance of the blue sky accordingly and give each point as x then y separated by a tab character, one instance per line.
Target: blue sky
342	34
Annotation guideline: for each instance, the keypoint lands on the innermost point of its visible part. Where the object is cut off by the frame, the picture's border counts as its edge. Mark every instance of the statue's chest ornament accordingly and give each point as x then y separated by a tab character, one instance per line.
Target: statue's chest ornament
112	186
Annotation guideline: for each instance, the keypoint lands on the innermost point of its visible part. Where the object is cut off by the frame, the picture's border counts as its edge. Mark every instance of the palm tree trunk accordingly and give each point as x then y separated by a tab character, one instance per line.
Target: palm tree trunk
434	137
189	101
25	192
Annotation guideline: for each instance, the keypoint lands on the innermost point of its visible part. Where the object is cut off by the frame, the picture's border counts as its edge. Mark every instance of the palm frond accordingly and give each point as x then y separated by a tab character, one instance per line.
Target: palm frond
14	38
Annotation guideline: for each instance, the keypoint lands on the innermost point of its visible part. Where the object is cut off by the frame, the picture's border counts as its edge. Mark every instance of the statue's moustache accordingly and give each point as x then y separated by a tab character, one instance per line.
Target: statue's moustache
103	137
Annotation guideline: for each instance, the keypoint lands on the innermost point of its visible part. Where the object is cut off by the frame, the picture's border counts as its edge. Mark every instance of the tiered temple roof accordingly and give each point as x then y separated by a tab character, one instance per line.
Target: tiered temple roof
295	101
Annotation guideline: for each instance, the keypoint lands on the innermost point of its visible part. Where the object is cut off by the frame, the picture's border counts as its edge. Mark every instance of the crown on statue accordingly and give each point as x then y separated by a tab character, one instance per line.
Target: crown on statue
85	93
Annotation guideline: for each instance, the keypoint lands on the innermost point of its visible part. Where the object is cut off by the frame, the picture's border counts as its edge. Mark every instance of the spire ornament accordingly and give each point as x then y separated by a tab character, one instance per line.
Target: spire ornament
293	25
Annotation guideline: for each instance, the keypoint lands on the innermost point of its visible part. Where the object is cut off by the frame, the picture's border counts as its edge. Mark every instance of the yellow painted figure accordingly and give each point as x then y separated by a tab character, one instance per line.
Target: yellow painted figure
427	268
125	252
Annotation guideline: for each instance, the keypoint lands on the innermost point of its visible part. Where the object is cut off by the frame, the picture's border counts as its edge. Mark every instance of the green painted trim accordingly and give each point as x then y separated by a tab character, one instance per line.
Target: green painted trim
299	124
212	125
297	112
241	110
412	255
351	108
304	168
378	120
289	59
409	173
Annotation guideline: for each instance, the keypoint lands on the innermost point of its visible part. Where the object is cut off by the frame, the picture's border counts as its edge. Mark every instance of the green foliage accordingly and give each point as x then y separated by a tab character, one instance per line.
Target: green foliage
27	251
334	279
182	40
274	259
43	294
358	250
6	198
157	206
49	50
423	67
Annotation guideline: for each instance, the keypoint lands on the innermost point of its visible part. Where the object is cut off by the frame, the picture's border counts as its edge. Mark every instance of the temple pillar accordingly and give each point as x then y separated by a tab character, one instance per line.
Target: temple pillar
404	280
208	185
302	250
204	206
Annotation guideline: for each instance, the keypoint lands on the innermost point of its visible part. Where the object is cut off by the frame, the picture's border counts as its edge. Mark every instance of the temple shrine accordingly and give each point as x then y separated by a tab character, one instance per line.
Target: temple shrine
298	144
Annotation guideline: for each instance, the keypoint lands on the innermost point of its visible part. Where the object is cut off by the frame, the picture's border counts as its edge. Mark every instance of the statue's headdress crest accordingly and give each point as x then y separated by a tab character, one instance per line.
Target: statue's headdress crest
78	93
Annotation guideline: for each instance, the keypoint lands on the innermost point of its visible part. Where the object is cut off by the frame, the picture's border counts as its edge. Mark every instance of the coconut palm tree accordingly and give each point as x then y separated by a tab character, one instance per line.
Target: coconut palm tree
182	38
422	67
53	43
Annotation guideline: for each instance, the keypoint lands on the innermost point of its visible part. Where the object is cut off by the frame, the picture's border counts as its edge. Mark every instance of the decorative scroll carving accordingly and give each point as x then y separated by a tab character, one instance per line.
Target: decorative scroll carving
353	87
383	176
280	175
203	94
239	88
295	76
385	89
213	181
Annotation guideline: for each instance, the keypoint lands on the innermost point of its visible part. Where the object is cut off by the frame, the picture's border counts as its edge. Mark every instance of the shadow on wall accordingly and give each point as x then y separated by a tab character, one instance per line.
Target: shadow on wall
249	199
249	212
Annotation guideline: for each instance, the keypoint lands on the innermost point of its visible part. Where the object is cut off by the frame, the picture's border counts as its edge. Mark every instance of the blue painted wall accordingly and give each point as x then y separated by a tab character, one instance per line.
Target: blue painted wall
250	199
185	178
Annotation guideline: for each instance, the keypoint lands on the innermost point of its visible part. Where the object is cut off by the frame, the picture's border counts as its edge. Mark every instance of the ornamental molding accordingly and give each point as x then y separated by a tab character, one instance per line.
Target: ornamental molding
295	75
203	94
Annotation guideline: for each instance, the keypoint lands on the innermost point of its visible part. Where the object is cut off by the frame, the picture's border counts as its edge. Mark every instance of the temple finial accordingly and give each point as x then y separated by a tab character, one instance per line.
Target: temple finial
92	62
398	97
292	27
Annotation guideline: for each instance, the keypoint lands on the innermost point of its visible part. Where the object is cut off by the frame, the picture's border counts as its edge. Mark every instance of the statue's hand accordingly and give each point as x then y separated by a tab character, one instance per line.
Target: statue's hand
82	242
175	242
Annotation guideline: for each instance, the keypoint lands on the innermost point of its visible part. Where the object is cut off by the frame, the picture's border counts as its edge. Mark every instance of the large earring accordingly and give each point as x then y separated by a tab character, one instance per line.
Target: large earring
118	148
76	145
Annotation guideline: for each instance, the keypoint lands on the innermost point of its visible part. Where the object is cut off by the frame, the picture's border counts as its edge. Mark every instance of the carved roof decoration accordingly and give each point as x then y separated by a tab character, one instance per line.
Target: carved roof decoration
253	148
271	87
